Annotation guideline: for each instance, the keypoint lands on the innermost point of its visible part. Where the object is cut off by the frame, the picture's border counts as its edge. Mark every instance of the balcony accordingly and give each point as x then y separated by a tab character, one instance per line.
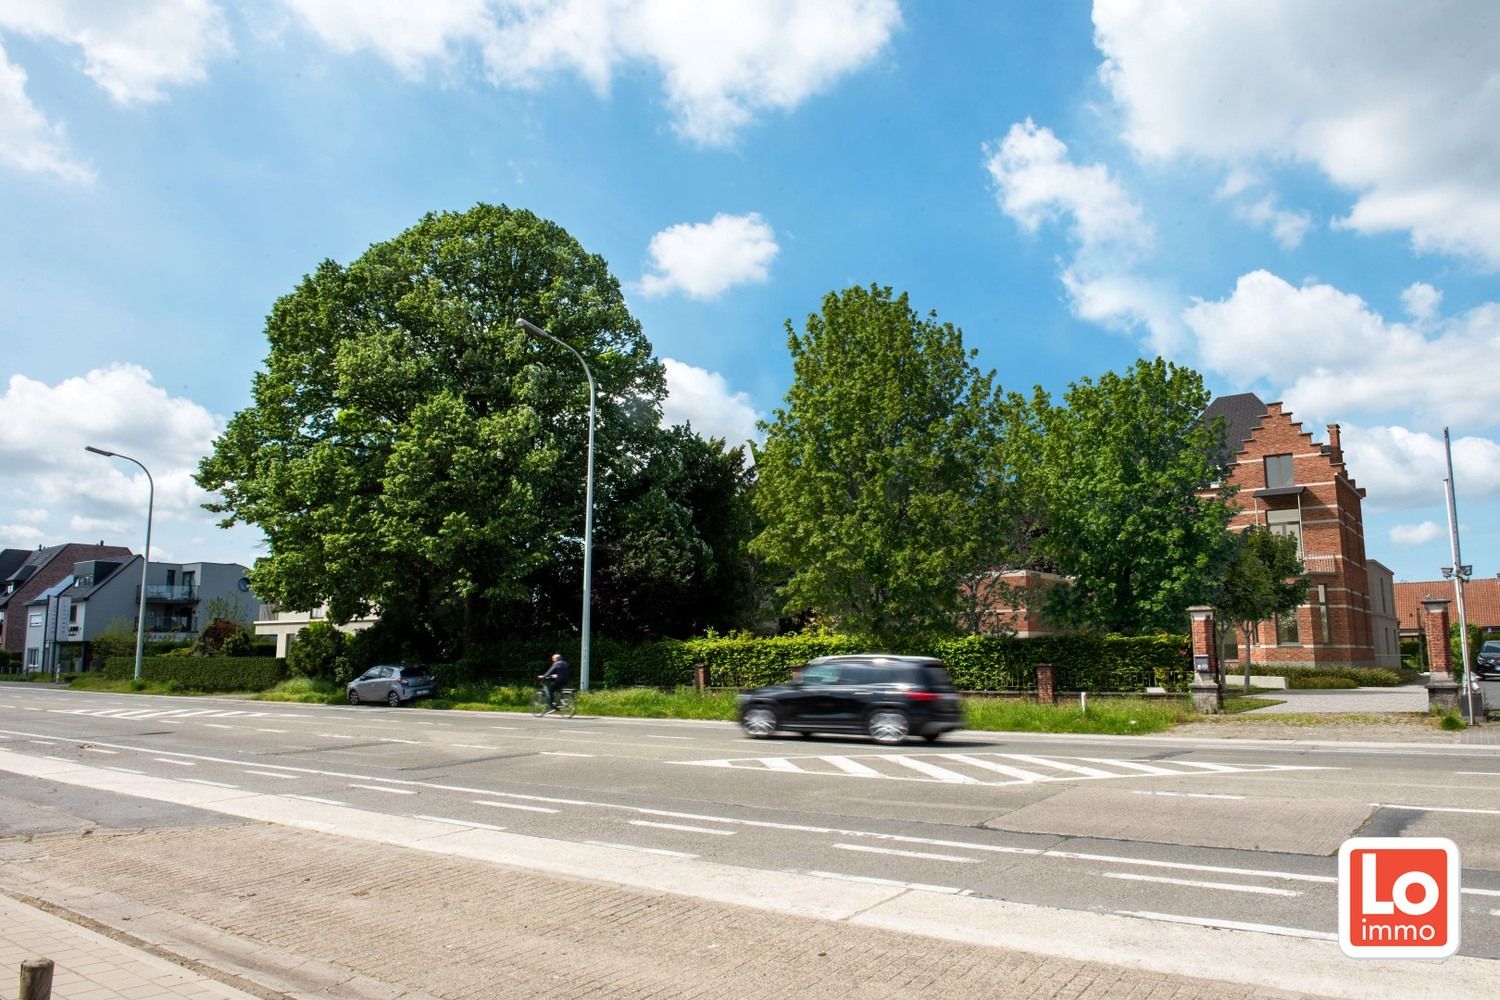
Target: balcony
170	623
169	592
1320	565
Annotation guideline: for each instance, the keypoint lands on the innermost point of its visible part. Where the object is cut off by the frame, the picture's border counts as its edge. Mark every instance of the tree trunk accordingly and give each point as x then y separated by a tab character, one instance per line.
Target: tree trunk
1247	629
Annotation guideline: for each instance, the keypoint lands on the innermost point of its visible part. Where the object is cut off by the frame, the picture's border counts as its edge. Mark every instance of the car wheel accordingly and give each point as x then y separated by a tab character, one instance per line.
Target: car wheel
393	699
353	697
887	725
932	737
759	721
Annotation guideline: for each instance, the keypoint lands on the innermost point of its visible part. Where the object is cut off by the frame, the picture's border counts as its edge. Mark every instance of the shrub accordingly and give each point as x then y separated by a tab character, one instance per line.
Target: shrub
315	651
199	673
1319	682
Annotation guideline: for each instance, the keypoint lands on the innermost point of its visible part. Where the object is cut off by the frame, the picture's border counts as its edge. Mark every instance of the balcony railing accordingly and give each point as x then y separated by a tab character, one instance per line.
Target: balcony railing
1320	565
171	623
169	591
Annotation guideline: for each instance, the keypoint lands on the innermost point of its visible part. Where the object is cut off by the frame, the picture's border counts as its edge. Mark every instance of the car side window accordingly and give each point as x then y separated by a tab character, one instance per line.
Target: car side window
370	675
387	671
821	673
858	673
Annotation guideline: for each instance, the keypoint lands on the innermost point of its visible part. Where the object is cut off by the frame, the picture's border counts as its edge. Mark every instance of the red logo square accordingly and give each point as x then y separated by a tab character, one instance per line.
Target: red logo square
1399	897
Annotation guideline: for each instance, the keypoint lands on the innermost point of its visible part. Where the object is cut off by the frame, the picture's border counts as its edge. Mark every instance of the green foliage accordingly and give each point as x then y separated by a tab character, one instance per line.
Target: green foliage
872	483
410	449
315	651
1476	639
1122	479
976	663
1452	722
198	673
223	637
117	639
1263	577
1118	716
230	609
1313	677
1320	682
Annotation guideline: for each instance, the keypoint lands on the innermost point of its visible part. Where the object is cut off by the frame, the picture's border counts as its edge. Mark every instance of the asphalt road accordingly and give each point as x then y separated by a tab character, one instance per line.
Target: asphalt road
1166	831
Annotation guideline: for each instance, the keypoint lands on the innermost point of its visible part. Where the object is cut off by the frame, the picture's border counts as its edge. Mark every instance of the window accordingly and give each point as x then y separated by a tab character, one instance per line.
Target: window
1232	645
72	614
1286	522
1286	630
1325	631
1278	471
36	619
822	673
33	657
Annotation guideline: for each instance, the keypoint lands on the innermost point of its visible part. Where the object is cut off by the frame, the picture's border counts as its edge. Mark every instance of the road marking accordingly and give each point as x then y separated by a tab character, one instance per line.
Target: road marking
392	739
1133	765
49	756
581	732
126	770
514	805
867	849
1232	925
853	767
947	890
174	760
45	743
1005	769
681	826
654	736
314	798
473	746
334	736
459	822
205	781
1185	866
388	791
1482	892
1487	774
642	850
1187	795
779	764
1195	884
275	774
270	730
565	753
1437	809
1088	772
215	725
933	771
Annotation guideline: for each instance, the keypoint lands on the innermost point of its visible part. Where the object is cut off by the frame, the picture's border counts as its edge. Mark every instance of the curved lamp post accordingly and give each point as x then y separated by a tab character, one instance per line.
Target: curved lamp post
588	506
140	617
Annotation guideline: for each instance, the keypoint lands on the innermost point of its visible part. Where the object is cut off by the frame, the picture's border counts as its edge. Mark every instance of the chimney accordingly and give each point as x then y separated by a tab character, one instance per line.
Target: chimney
1333	443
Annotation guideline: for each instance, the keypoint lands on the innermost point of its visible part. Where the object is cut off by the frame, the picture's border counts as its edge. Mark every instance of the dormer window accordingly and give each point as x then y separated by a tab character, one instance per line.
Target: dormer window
1278	471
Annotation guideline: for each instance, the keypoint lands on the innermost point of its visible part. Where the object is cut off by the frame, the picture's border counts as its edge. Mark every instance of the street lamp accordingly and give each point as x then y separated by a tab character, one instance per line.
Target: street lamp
588	507
140	617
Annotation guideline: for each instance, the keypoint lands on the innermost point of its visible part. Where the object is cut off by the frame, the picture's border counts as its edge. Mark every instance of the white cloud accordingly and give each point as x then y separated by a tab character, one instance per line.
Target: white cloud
703	398
1421	301
43	431
1392	101
1037	182
1404	468
1410	536
1287	227
29	142
721	64
133	49
1336	356
703	260
20	536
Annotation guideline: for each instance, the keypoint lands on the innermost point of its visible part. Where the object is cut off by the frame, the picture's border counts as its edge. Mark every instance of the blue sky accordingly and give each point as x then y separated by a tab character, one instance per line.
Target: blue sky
1300	200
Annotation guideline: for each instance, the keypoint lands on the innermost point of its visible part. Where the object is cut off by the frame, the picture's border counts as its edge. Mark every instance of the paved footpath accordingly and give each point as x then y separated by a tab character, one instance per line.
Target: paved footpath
290	913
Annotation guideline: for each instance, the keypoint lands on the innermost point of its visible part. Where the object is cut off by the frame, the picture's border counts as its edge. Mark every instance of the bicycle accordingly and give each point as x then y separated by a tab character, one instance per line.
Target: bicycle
567	702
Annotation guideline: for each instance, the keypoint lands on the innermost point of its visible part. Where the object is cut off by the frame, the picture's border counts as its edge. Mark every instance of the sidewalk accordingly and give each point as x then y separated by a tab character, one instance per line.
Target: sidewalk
90	966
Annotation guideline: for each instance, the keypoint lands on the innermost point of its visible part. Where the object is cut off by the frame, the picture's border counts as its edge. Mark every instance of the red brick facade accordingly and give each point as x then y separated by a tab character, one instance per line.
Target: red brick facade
1307	489
49	566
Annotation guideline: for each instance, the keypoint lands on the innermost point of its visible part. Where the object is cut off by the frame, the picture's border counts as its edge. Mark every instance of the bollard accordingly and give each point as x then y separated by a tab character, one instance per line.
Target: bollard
1044	690
36	979
700	677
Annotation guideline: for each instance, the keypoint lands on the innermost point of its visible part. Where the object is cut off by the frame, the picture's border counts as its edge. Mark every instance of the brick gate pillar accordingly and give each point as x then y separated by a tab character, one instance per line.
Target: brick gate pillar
1442	689
1207	697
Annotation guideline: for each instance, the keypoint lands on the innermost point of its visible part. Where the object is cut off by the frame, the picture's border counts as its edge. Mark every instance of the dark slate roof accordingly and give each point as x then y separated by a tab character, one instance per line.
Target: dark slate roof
11	560
120	563
1242	413
34	561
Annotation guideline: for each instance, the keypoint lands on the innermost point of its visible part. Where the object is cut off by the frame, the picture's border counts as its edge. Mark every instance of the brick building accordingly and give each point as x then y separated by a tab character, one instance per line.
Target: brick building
40	570
1481	603
1297	486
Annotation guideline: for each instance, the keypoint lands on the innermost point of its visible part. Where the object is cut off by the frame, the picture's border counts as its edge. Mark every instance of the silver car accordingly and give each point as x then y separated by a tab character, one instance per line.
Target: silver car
393	683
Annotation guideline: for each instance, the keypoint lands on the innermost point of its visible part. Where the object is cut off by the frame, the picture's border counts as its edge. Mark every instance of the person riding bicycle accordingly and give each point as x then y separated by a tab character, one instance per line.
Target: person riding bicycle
554	679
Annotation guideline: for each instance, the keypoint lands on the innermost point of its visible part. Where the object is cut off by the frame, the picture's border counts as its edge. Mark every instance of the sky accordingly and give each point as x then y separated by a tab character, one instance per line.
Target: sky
1300	200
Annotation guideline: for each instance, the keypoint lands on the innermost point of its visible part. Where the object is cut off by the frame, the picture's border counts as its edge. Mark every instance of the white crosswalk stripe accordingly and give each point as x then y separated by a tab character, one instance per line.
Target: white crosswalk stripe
173	713
992	769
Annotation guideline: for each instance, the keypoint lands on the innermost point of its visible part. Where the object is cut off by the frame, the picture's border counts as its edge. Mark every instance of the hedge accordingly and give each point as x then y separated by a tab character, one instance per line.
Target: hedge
1301	676
201	673
977	663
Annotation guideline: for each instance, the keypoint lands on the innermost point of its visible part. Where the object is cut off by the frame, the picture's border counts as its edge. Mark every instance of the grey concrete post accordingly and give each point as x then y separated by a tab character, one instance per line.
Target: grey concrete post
36	979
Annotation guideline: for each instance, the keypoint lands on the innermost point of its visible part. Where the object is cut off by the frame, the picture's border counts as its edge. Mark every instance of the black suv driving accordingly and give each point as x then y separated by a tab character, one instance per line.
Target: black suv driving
888	697
1487	663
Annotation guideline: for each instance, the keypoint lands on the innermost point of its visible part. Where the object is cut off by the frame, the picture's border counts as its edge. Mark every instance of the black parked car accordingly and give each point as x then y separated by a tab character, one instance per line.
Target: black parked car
1487	663
888	697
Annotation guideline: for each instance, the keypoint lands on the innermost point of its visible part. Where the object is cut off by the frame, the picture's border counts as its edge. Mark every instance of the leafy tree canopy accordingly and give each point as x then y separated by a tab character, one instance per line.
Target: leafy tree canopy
873	483
408	448
1121	478
1262	578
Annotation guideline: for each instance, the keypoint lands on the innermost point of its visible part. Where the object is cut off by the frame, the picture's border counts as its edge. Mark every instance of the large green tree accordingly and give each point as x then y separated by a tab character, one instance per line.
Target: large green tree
409	449
1263	578
872	482
1121	480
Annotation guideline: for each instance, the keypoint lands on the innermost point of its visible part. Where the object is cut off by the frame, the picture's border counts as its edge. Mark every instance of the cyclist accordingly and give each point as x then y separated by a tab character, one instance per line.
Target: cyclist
553	680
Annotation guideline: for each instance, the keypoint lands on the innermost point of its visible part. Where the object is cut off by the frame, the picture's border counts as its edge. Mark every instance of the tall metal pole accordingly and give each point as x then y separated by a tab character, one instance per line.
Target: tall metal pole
588	508
140	616
1458	578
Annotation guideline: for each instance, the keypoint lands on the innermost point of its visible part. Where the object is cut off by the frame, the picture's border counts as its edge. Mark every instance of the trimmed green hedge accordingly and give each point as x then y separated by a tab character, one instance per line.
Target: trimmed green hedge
1306	677
977	663
201	673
